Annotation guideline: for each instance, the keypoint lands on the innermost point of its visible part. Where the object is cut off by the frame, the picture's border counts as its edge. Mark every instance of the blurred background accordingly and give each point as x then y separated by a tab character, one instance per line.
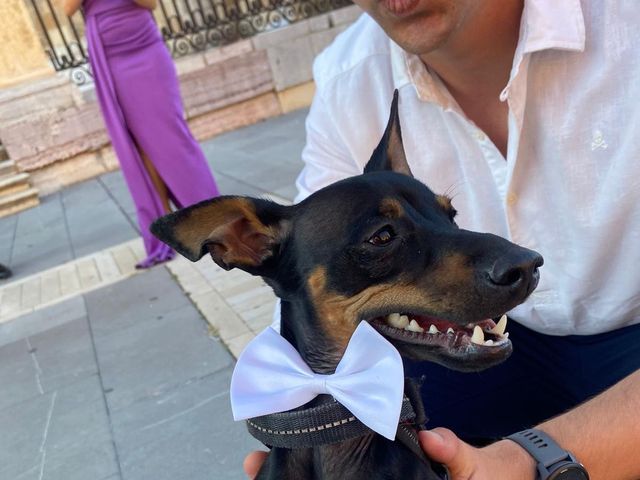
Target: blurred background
108	372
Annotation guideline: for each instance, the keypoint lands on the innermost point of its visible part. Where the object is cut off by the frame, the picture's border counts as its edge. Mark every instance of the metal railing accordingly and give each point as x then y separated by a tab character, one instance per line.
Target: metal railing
63	41
187	26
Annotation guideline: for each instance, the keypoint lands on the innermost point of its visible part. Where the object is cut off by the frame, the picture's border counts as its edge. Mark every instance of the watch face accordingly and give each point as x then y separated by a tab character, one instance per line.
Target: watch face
569	471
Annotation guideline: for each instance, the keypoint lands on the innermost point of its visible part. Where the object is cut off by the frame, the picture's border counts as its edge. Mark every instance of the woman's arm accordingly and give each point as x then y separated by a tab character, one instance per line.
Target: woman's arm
150	4
71	6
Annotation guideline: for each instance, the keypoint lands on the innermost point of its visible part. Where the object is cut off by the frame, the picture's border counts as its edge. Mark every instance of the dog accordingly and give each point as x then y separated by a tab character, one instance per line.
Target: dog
381	248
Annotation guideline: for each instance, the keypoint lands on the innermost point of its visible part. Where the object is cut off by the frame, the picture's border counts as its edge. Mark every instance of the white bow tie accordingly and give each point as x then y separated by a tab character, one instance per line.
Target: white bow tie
271	377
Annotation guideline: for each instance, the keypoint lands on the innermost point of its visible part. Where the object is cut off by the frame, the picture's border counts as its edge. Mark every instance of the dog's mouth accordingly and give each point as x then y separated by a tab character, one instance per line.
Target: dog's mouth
470	347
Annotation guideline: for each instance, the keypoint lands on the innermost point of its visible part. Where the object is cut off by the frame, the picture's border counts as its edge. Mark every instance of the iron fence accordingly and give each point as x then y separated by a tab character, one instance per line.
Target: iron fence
187	26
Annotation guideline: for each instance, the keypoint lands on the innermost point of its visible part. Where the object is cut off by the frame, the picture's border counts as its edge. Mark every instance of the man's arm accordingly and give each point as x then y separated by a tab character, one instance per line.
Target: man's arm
603	434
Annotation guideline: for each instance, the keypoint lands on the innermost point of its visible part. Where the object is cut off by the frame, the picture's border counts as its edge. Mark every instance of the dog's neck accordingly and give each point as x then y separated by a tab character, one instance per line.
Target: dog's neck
300	327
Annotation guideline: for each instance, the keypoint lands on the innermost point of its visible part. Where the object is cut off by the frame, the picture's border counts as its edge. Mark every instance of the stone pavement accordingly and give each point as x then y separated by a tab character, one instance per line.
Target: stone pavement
109	373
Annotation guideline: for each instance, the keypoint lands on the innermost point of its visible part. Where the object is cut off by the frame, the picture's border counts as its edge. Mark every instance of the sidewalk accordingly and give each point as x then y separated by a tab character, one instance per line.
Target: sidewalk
108	373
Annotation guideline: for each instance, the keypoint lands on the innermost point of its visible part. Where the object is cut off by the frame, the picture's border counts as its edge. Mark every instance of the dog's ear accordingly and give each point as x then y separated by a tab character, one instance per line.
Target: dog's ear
389	154
237	231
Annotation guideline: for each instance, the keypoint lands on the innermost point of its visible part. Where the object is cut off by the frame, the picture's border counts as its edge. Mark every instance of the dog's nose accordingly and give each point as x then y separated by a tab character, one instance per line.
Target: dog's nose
517	270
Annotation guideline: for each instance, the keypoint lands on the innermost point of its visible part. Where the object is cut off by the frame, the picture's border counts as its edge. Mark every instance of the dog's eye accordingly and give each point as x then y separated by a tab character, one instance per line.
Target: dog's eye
382	236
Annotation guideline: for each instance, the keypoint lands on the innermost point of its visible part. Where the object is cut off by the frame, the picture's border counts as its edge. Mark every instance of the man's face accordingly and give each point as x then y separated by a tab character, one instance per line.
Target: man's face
419	26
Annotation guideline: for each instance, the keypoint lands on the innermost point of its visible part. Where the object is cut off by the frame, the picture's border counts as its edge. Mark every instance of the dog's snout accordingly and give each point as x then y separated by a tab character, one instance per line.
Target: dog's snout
517	270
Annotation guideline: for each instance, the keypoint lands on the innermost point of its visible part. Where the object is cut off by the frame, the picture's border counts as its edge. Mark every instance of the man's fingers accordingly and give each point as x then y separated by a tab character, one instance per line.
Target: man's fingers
253	462
443	446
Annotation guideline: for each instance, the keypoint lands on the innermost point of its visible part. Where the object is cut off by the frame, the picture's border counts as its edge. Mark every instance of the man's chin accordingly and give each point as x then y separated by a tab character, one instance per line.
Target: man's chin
420	36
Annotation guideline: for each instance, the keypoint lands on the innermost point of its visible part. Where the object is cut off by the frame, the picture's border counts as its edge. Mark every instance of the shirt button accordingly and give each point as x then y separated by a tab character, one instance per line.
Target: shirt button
512	198
479	134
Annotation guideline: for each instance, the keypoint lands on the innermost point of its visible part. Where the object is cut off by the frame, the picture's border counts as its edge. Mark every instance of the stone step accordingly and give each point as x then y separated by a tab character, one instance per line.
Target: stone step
17	182
7	167
16	202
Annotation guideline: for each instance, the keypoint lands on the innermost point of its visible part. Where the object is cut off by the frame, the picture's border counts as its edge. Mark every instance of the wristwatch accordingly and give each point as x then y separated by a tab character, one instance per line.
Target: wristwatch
554	463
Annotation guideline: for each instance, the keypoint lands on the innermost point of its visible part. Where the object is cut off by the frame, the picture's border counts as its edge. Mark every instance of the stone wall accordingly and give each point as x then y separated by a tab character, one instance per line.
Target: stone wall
21	54
54	130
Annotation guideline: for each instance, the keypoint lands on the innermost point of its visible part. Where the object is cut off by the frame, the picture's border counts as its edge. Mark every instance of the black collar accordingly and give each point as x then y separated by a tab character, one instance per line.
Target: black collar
314	426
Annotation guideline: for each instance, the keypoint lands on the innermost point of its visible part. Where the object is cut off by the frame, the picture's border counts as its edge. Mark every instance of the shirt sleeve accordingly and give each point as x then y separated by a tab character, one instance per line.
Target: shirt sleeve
326	156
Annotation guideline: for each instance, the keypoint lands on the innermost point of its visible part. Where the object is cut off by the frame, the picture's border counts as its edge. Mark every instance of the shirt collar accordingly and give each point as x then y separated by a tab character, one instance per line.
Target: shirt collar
546	24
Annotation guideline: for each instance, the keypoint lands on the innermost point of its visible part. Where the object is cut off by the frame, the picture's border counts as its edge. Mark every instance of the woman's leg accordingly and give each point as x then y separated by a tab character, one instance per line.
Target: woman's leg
158	183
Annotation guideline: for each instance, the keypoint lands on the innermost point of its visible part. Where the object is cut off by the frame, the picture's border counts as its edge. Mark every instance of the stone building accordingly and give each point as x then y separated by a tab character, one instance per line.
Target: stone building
255	64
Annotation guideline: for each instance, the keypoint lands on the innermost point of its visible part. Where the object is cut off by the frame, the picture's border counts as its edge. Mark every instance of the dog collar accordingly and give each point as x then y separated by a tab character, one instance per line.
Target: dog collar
309	427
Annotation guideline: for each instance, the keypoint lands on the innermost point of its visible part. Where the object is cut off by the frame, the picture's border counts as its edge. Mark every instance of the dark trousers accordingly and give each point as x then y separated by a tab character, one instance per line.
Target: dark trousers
545	376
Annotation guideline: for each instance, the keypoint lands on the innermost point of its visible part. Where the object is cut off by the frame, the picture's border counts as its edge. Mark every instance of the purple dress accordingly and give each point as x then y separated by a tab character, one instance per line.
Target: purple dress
138	92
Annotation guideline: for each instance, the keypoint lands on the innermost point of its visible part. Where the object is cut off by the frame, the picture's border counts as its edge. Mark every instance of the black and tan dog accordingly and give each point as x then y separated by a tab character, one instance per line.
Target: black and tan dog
382	248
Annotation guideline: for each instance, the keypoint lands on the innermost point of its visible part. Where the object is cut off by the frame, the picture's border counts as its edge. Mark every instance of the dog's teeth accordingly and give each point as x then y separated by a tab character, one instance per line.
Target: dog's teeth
488	343
501	326
398	321
478	335
414	327
450	330
433	329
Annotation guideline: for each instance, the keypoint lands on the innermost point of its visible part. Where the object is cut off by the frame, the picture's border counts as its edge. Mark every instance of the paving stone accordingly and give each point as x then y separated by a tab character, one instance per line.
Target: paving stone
42	320
107	267
231	186
11	298
148	360
125	259
88	273
17	376
63	435
222	318
115	184
138	299
94	220
236	345
41	240
50	286
150	345
63	354
186	433
7	233
30	293
69	279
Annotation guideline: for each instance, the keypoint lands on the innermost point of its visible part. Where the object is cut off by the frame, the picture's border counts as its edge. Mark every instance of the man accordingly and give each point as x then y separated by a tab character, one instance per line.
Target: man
4	272
525	112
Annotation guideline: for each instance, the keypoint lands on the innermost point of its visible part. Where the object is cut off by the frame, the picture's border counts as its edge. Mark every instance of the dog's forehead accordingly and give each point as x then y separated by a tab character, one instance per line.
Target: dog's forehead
378	193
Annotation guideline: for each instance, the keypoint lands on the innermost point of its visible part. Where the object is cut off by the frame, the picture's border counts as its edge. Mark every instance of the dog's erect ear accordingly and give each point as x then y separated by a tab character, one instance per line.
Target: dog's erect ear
237	231
389	154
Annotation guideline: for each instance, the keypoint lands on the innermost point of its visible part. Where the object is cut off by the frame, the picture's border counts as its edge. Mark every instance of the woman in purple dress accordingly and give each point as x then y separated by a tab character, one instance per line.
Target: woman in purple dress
138	92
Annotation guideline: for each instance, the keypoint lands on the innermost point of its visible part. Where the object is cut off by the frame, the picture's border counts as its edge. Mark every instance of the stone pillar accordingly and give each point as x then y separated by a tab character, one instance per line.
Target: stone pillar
21	54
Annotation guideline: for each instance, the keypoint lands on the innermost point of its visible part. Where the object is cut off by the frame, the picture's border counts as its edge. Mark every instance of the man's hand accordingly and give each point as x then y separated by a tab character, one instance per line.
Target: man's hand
253	462
503	460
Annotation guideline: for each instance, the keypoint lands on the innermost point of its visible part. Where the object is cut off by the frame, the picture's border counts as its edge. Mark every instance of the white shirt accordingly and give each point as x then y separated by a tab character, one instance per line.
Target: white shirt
570	185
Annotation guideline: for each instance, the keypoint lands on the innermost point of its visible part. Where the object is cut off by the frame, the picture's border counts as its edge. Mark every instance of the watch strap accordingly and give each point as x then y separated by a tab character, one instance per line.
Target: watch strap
541	447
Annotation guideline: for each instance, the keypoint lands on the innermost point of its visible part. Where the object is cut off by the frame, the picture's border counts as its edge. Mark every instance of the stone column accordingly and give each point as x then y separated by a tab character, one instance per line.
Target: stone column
21	55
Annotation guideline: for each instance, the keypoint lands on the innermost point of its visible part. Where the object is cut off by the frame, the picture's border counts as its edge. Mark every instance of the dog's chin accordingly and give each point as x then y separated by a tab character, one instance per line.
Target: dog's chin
471	347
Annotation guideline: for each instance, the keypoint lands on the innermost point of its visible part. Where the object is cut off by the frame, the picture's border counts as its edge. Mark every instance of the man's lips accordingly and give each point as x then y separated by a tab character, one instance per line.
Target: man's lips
399	8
